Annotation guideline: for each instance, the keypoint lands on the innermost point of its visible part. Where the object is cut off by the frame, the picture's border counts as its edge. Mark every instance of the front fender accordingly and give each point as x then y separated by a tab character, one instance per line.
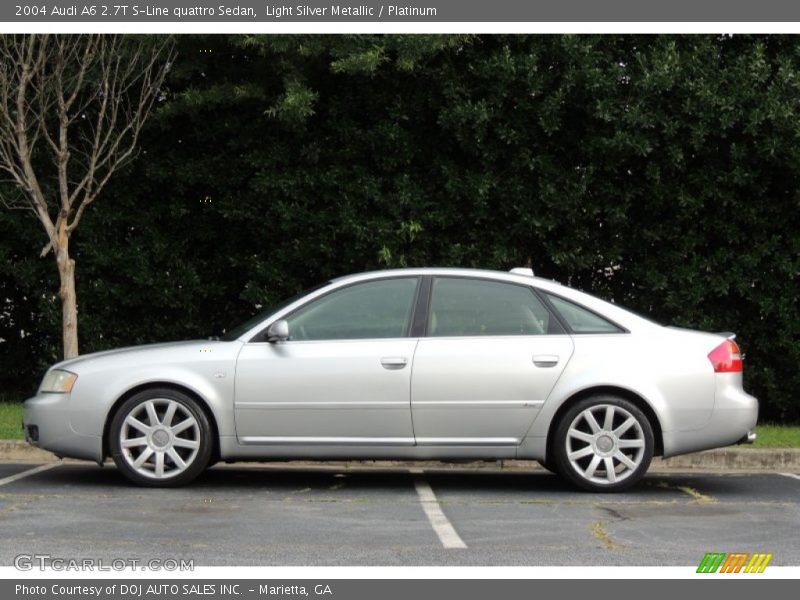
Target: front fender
209	377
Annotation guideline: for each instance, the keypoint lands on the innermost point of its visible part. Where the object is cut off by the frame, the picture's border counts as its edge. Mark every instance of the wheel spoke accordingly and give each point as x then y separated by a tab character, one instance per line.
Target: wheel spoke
585	451
630	444
625	460
140	460
609	420
159	464
611	474
593	424
176	458
134	442
167	420
580	435
183	443
629	422
150	407
183	425
132	421
589	472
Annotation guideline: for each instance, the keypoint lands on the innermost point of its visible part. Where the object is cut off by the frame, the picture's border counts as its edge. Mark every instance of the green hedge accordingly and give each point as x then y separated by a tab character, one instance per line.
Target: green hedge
658	171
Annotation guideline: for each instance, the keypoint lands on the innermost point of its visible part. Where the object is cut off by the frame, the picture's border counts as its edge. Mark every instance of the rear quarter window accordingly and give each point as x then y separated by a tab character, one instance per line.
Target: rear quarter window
580	319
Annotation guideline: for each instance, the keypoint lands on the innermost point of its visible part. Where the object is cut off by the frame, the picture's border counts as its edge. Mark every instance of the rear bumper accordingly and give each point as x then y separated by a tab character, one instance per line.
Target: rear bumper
47	425
749	438
734	416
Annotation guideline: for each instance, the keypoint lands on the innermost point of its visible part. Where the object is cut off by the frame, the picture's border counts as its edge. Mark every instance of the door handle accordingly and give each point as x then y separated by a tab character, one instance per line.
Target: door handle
394	362
545	360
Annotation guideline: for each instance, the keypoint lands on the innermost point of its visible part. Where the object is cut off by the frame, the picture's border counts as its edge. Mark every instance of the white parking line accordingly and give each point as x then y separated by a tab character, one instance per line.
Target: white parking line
28	473
791	475
441	526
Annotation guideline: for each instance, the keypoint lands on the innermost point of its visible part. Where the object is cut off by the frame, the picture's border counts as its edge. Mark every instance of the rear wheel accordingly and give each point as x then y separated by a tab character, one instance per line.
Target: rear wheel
603	444
549	465
160	438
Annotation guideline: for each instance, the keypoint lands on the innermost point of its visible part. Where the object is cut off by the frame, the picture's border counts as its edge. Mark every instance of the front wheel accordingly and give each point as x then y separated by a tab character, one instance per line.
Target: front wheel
160	438
603	444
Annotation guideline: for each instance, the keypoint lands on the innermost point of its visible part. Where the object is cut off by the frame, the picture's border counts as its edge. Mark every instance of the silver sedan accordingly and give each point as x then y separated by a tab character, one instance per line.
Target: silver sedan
445	364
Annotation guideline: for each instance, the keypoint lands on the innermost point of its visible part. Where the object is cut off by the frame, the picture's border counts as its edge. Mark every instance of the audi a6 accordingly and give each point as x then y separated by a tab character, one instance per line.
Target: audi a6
440	364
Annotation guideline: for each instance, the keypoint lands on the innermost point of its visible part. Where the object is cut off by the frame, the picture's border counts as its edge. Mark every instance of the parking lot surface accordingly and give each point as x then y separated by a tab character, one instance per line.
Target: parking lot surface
279	515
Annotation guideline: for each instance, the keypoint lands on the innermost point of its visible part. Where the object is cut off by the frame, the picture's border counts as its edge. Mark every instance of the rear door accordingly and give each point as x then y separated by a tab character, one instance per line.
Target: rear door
491	356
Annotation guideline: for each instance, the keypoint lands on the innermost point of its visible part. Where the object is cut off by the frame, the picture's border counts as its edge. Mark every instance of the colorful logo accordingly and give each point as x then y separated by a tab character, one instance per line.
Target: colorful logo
734	562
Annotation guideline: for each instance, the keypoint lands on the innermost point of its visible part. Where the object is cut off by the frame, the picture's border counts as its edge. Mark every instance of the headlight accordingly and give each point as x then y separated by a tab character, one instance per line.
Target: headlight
58	382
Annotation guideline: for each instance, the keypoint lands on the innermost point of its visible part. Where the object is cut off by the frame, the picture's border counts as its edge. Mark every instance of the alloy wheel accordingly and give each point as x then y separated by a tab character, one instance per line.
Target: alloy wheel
605	444
160	438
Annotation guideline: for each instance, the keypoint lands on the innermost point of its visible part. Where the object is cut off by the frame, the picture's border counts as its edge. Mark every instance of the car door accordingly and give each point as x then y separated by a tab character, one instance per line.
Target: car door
492	354
342	378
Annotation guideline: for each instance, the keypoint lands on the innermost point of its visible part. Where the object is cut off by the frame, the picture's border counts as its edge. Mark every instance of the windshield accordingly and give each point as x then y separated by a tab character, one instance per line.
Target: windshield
238	330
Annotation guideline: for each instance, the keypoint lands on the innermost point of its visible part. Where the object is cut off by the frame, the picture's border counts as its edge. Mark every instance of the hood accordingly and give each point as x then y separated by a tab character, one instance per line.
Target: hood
159	352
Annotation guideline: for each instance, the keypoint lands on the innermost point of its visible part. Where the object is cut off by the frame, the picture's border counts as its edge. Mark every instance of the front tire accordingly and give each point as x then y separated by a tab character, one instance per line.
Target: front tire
160	438
603	444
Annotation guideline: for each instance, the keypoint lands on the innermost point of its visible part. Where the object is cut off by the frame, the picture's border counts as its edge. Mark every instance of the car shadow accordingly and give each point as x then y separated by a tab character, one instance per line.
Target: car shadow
289	478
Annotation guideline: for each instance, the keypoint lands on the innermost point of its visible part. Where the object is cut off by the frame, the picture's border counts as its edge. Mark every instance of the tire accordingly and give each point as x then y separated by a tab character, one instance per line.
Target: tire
160	438
548	465
599	457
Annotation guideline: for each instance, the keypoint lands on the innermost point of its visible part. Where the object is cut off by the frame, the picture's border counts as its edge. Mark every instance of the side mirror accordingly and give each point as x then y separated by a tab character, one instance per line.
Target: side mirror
278	331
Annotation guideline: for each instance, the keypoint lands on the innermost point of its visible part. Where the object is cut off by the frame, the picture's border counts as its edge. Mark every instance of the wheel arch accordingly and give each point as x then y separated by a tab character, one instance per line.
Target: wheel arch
202	403
639	401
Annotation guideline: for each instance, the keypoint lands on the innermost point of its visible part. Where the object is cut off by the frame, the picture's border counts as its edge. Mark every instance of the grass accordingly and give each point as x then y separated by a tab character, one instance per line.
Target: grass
769	435
11	421
777	436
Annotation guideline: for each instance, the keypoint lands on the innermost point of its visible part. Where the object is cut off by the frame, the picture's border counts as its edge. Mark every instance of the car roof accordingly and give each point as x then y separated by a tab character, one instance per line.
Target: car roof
463	272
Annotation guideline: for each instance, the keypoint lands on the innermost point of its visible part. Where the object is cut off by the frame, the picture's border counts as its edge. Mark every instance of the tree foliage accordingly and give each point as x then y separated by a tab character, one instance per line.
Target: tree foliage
658	171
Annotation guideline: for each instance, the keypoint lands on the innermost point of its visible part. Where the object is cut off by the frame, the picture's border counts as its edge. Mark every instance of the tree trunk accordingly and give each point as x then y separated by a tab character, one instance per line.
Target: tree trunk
69	301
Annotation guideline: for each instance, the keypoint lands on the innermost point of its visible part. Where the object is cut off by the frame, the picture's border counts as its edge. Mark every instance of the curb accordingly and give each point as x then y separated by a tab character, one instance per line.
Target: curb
750	459
724	459
11	450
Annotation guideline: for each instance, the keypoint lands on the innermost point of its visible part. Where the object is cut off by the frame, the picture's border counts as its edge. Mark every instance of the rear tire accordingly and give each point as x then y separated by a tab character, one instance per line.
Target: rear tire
603	444
548	465
160	437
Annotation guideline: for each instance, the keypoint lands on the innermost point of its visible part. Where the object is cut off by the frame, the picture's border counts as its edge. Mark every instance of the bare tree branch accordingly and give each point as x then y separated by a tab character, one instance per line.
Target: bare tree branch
87	97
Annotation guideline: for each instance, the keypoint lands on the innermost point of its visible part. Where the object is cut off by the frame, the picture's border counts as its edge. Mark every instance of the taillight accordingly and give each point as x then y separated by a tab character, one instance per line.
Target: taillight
726	358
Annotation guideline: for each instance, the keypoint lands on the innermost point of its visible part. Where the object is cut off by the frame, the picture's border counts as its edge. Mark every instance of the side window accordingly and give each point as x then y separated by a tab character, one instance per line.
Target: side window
374	309
580	319
471	307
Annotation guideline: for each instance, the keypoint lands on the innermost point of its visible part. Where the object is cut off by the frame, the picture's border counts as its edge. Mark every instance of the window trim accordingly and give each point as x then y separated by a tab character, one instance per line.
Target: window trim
422	304
530	288
260	337
544	295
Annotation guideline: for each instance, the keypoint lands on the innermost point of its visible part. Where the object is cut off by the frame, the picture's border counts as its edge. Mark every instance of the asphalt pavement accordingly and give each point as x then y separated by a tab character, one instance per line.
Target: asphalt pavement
278	515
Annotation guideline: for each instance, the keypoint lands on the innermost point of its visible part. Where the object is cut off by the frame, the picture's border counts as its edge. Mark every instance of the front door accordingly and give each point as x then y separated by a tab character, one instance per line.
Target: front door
344	376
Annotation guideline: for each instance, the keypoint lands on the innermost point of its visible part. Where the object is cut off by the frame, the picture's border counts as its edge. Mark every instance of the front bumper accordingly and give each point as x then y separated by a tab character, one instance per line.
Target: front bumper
47	424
